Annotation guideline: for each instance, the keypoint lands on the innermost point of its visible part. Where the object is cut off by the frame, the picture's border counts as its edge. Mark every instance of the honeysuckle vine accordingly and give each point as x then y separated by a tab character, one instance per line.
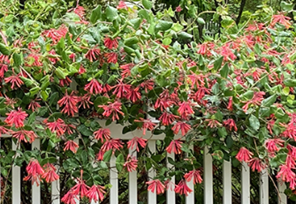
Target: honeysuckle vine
234	94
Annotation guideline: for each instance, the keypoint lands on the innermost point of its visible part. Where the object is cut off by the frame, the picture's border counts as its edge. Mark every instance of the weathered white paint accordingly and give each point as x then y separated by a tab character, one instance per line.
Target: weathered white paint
113	181
190	197
282	197
152	197
264	187
170	193
208	177
16	181
227	188
133	188
36	193
245	183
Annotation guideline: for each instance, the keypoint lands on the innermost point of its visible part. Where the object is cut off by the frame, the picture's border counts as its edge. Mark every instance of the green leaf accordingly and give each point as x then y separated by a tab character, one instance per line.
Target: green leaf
185	36
4	50
224	71
60	74
164	25
111	13
290	82
96	14
287	6
44	95
34	91
31	118
167	41
131	41
107	155
119	162
254	122
17	59
28	82
218	63
269	101
147	4
45	82
84	130
136	22
201	20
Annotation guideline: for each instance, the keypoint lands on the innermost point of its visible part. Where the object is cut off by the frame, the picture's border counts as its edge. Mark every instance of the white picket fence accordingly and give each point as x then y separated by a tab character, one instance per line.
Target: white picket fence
116	132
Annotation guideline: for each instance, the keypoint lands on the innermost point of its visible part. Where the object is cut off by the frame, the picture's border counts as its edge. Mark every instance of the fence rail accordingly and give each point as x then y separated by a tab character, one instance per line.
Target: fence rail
116	130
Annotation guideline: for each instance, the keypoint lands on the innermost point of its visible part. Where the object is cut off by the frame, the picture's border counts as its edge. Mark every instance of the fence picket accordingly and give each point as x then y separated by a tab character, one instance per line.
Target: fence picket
113	181
227	188
170	194
264	187
152	197
36	194
245	183
133	189
282	199
208	177
190	197
16	180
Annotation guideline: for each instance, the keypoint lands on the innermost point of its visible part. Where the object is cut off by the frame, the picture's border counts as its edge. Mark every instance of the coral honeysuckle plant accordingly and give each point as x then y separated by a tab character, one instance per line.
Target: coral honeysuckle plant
127	65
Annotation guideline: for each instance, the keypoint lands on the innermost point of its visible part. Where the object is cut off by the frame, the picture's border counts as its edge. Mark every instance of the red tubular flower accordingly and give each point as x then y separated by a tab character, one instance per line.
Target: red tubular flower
175	146
57	126
256	164
256	100
195	175
114	144
92	54
14	80
147	85
49	173
292	151
111	43
34	171
70	198
10	101
284	20
16	118
111	57
3	69
229	106
271	145
244	155
134	95
182	188
121	90
102	134
34	106
147	124
94	87
112	109
100	155
184	127
85	101
80	188
155	185
122	5
185	109
95	193
65	82
81	70
71	145
70	102
212	123
290	162
80	11
22	135
178	9
133	143
230	124
286	173
131	163
167	118
126	69
3	130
